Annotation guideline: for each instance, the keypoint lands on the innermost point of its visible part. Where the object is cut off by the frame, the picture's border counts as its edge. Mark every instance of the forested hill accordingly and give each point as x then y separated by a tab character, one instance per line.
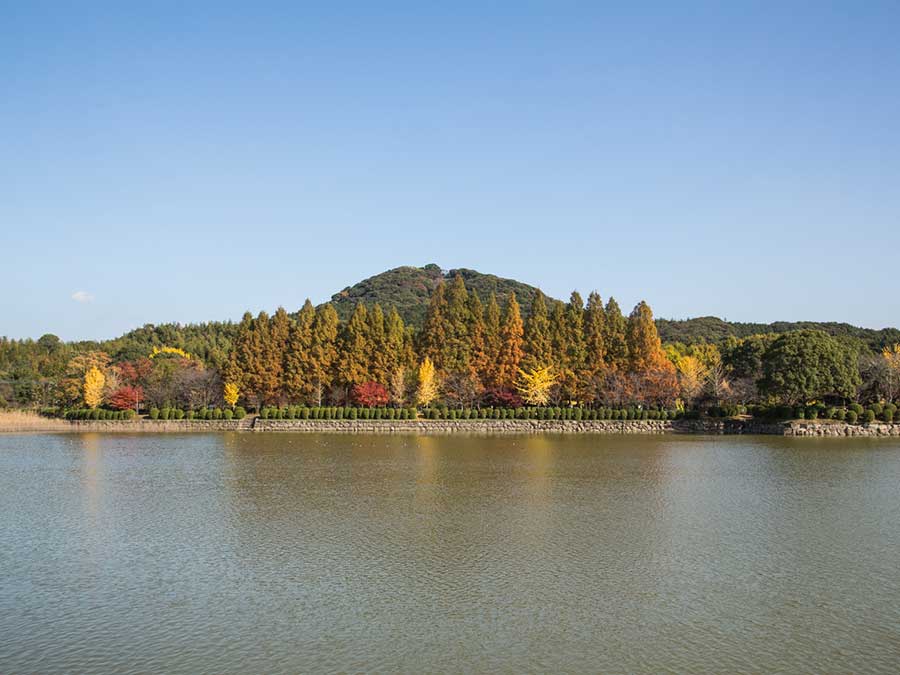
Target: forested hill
408	289
714	330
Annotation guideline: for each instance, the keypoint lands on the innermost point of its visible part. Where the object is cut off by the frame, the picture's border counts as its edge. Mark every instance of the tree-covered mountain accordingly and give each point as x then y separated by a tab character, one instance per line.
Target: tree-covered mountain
714	330
408	289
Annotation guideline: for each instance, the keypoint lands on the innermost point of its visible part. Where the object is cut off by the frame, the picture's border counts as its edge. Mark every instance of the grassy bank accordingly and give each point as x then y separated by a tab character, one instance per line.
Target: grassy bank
26	421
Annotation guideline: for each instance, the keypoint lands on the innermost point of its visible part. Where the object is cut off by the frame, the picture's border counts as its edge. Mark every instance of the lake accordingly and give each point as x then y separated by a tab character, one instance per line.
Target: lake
252	553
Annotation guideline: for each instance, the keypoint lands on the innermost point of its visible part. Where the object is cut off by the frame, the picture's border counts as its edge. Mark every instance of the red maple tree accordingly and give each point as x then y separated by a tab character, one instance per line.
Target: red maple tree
127	397
370	394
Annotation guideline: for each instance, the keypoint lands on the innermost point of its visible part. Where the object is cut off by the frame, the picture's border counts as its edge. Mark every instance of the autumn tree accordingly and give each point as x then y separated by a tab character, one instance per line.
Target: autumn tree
370	394
274	347
457	347
535	385
378	358
428	386
615	341
398	343
594	341
510	355
323	352
575	361
230	393
492	343
538	346
126	397
478	363
296	381
399	385
653	375
433	336
93	387
692	375
72	383
353	355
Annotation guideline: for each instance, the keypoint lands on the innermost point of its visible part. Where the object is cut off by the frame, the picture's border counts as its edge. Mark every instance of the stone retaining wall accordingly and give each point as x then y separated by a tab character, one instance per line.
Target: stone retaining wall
841	429
524	426
155	426
724	427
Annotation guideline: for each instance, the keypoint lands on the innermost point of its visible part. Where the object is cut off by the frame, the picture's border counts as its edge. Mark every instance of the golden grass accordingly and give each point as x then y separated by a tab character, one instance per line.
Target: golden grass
26	421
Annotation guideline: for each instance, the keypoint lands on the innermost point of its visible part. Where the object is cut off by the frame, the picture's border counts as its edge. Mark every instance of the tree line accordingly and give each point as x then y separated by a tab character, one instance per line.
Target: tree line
466	355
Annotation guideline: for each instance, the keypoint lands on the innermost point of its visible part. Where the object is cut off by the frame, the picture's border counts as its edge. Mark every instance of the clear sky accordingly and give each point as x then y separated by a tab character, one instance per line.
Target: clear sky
186	161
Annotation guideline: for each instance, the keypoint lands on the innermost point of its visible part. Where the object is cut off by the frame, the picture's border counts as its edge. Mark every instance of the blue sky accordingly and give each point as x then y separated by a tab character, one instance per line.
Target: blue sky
171	163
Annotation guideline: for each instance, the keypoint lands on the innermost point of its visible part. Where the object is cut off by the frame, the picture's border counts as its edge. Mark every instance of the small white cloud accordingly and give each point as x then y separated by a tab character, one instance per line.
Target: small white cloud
82	296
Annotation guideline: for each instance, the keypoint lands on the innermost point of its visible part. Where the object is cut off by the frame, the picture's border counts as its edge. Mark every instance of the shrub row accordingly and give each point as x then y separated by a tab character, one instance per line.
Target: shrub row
853	413
99	414
443	413
202	414
297	412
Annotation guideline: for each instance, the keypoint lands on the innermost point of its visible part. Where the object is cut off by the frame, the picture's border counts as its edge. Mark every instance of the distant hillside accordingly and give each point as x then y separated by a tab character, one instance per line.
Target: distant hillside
713	329
408	289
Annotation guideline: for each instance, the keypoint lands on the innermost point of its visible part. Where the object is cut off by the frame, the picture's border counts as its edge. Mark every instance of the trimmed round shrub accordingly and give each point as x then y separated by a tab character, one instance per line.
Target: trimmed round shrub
154	413
228	413
852	416
812	413
877	408
869	416
240	413
856	407
840	415
888	415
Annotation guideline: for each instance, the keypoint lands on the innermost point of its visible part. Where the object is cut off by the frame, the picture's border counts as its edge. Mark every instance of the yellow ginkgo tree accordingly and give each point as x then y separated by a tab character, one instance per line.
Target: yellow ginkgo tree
692	376
93	387
230	393
535	385
428	386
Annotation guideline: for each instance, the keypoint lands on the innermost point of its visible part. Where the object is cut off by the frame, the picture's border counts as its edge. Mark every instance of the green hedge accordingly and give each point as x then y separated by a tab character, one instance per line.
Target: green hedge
445	413
99	414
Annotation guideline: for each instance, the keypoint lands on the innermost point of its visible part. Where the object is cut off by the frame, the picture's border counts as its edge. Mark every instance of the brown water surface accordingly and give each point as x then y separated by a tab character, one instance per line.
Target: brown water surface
240	553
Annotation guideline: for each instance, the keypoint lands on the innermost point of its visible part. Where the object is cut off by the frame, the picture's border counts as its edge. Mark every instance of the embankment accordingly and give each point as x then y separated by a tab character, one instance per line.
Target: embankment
19	422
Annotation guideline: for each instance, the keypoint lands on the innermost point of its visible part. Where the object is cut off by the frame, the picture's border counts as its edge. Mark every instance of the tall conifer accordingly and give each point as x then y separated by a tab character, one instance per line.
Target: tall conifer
576	351
352	365
297	385
323	353
511	341
491	342
614	336
379	359
457	345
594	335
538	343
433	336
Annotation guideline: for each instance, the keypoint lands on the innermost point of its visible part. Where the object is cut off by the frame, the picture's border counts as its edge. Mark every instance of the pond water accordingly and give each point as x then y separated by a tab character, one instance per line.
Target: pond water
243	552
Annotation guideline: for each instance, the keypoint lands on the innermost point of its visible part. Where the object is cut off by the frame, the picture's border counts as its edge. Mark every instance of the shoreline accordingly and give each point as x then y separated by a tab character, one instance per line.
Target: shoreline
28	423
